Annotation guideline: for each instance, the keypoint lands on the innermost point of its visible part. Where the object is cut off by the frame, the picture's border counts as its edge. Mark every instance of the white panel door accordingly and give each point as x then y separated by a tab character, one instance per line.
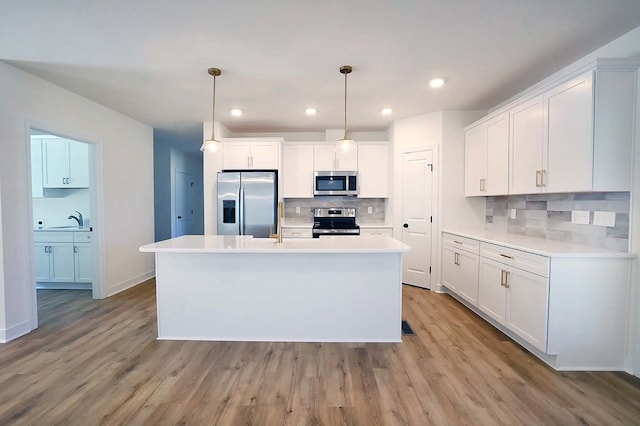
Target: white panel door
347	160
450	271
526	127
297	170
497	175
83	263
417	178
78	165
61	259
55	163
373	171
324	157
182	212
468	276
236	155
265	155
41	259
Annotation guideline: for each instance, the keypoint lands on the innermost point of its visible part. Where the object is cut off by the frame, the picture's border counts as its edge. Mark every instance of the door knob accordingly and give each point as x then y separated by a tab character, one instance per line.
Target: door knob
179	217
406	225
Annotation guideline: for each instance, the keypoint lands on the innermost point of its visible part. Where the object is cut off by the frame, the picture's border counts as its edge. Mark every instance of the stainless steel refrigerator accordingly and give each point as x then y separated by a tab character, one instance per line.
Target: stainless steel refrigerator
247	203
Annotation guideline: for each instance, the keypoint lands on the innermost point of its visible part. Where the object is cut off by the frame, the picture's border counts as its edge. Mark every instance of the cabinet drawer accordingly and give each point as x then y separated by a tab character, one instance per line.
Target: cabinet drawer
82	237
52	237
461	243
296	233
376	231
530	262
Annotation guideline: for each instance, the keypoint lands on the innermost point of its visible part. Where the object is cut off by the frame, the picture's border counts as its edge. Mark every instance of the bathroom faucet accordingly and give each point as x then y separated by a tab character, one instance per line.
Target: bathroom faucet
77	219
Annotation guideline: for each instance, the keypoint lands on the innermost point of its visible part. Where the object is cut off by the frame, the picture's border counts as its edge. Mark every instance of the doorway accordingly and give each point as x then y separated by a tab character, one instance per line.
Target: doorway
417	216
63	210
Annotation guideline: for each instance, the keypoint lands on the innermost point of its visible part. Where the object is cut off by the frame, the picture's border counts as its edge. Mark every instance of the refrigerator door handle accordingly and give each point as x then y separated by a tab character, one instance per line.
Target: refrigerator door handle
242	212
239	213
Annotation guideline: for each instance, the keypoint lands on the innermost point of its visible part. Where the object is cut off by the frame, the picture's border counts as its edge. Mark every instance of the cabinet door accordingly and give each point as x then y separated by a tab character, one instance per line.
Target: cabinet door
527	302
265	155
61	259
449	268
347	160
236	155
492	295
570	136
475	160
42	262
373	171
526	128
83	263
324	157
78	176
497	168
55	163
298	171
468	276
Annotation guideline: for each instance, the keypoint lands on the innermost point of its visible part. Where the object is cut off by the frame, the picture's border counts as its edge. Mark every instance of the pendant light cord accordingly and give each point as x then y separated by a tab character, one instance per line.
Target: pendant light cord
345	106
213	111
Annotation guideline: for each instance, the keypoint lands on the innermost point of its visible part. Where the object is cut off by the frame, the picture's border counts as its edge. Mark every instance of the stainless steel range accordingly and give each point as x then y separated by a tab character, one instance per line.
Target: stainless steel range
334	221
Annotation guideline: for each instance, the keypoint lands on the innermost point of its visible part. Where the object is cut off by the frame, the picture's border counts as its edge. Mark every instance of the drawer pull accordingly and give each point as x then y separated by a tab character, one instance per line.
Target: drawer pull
457	242
506	255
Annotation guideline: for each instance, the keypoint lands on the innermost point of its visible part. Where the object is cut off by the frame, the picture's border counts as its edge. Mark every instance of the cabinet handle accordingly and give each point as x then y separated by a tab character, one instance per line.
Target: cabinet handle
506	279
506	255
542	184
537	178
75	249
483	184
456	259
457	242
503	278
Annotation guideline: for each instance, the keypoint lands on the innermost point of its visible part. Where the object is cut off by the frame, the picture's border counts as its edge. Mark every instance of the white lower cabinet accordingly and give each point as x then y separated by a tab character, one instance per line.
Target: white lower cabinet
515	298
63	257
297	232
460	267
567	306
376	230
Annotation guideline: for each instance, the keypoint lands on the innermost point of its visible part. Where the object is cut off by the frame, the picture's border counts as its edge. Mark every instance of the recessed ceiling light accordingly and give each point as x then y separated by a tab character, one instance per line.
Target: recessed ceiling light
436	82
310	111
236	112
386	111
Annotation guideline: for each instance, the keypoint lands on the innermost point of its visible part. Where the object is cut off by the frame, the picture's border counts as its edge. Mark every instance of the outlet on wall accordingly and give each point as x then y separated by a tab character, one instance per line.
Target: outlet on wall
297	209
580	216
604	218
512	213
369	209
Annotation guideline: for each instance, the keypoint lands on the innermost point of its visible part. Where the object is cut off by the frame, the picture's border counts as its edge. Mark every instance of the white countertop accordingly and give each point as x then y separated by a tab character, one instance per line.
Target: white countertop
310	225
550	248
64	229
248	244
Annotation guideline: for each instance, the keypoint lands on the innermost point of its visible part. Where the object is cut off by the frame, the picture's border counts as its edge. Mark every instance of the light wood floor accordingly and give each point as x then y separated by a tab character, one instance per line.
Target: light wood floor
97	362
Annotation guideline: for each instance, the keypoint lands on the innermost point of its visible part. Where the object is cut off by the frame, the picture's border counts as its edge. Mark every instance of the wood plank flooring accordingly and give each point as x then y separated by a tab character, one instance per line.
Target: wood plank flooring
96	362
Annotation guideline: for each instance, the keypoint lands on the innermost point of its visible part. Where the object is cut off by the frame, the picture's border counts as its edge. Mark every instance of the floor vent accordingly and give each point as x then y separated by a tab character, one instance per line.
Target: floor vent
407	330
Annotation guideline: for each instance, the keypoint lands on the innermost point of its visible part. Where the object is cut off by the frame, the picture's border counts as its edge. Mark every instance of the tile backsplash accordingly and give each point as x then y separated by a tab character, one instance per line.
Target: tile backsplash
306	206
549	216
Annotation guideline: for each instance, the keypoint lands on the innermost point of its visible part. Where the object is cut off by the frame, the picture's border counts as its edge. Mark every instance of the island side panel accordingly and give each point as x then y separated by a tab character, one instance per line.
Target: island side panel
309	297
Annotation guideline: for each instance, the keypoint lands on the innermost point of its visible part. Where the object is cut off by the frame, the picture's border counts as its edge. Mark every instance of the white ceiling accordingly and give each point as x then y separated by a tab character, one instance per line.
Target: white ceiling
148	58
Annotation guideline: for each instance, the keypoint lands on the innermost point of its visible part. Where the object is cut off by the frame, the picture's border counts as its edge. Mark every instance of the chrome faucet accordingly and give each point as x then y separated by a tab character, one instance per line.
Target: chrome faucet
78	219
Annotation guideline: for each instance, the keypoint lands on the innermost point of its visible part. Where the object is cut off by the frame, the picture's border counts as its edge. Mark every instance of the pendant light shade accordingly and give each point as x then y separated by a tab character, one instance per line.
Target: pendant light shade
345	144
212	144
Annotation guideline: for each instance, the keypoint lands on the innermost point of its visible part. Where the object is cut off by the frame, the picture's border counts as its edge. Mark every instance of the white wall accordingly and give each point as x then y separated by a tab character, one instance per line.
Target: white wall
54	210
123	217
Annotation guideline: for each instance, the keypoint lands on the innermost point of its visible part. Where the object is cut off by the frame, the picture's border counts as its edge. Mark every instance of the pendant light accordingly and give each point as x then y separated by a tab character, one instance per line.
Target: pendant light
212	144
345	144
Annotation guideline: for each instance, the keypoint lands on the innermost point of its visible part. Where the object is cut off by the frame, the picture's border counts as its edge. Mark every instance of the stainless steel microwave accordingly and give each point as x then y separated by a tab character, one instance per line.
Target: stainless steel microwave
335	183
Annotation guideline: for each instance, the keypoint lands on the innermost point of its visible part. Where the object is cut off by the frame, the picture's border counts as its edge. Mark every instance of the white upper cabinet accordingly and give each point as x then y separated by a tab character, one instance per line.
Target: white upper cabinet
251	155
327	158
373	171
65	163
297	171
526	124
574	134
487	157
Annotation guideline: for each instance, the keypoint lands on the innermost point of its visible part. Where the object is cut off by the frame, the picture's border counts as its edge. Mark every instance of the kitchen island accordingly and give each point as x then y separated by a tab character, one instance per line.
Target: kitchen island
239	288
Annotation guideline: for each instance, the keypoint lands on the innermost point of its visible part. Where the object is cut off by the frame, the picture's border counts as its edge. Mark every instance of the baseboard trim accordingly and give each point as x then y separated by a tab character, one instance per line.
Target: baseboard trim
132	282
13	332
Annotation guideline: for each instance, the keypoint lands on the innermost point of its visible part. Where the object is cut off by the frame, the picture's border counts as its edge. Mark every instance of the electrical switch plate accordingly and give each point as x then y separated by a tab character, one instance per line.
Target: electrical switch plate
580	216
604	218
370	210
297	209
512	213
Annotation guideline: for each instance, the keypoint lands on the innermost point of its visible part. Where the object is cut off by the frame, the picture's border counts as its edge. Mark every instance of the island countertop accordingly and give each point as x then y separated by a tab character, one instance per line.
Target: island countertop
248	244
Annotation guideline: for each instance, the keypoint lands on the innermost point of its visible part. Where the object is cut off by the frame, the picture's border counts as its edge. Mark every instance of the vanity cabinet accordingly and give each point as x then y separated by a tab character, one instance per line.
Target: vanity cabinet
297	171
327	158
251	155
460	266
487	157
548	296
63	257
65	163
